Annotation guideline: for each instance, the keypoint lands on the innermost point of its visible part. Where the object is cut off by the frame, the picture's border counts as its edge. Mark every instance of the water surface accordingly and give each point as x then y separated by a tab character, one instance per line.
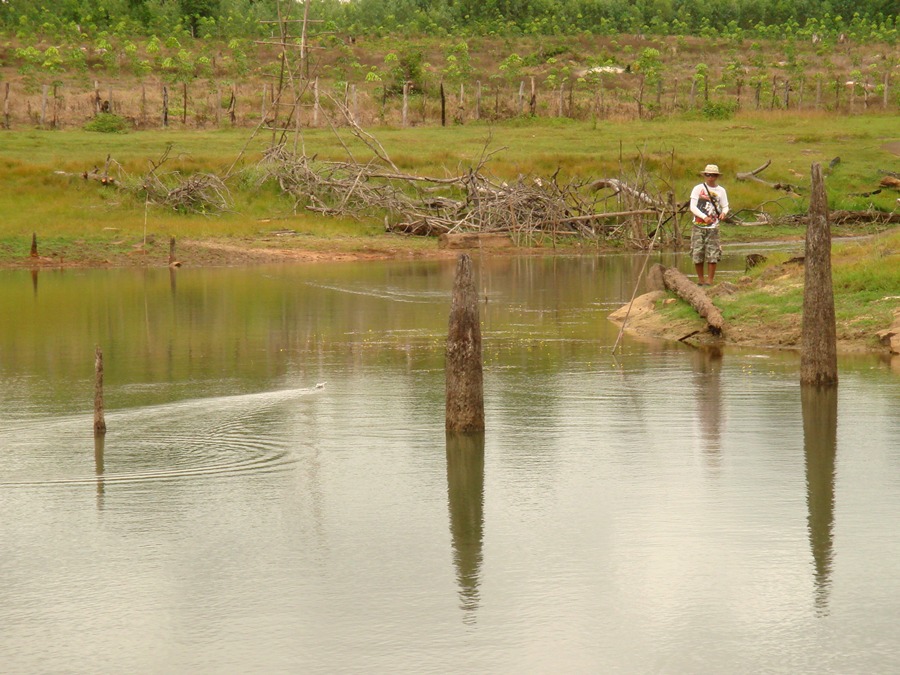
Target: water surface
276	492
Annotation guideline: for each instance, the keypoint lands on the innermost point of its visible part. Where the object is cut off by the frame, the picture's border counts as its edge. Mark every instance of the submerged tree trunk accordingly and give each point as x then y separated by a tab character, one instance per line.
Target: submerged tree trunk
465	387
818	355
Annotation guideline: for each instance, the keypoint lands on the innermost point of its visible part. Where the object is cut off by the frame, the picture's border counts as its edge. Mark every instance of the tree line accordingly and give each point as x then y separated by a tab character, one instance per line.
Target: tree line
865	19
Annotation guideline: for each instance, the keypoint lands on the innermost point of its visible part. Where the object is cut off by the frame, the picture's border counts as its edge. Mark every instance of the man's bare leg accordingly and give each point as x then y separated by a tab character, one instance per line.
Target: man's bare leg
712	273
698	267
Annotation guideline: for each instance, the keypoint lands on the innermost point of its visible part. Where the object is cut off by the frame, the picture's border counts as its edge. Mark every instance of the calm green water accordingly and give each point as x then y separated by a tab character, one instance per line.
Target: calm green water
276	493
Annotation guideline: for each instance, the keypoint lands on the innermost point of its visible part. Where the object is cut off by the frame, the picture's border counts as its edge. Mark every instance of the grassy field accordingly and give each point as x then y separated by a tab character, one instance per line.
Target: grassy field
67	210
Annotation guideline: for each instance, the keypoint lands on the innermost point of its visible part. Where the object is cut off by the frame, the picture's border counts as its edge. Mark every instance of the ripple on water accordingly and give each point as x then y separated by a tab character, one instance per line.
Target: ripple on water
195	438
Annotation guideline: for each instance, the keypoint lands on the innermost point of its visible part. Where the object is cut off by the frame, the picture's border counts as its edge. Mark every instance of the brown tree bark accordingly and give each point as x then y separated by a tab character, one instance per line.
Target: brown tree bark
818	354
463	369
691	293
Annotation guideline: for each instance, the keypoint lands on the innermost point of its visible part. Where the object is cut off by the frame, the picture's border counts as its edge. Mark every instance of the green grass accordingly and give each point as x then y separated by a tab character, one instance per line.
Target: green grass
35	199
866	283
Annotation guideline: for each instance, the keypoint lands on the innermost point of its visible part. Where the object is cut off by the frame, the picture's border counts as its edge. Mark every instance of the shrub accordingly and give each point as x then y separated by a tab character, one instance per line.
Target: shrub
107	123
719	110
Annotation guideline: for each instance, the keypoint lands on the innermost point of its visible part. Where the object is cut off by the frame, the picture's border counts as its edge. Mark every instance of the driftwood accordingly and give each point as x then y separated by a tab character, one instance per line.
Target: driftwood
754	176
691	293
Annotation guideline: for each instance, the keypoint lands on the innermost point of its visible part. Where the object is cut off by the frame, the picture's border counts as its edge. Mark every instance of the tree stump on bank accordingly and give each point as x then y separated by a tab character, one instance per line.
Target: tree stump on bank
463	369
818	354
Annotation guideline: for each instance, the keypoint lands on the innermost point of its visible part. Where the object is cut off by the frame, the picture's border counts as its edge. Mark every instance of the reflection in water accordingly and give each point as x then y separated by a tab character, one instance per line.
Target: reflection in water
99	445
465	498
820	448
708	381
34	281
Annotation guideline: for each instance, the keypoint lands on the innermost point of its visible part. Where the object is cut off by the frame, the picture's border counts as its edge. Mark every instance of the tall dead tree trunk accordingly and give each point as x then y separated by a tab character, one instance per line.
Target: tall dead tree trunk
818	355
464	375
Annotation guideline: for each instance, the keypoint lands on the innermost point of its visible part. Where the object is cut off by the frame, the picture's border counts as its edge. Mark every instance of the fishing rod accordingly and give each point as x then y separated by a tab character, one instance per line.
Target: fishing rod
640	276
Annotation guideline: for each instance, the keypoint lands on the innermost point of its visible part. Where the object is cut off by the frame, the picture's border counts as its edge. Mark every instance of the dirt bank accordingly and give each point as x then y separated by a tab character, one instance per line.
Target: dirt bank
648	318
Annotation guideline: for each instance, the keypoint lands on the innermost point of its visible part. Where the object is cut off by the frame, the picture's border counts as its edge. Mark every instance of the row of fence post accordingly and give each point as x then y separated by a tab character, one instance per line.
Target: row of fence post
563	100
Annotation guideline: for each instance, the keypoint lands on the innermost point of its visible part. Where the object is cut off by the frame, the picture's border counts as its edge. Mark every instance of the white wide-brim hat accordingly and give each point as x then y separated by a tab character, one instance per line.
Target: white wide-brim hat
712	168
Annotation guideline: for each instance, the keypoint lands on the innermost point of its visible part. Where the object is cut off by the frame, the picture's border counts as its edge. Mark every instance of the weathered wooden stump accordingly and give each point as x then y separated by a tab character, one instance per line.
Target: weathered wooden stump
818	352
463	367
99	421
34	251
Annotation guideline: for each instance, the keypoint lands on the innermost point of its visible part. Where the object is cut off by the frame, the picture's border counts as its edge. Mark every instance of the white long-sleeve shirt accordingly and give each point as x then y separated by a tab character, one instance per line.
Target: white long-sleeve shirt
702	198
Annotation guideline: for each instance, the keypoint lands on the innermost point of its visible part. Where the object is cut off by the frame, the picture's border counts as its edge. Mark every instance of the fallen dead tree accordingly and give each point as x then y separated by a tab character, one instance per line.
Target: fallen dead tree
754	176
691	293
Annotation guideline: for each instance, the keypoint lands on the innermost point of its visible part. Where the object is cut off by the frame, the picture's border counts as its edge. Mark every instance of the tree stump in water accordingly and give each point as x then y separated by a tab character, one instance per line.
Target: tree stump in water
463	369
818	353
99	421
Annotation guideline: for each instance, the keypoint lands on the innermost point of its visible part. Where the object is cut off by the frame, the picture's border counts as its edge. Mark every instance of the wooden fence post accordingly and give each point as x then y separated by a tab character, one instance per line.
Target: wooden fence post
316	102
521	107
6	107
54	121
99	421
818	353
532	101
165	107
443	106
262	105
478	100
184	101
404	110
463	369
232	105
44	89
34	249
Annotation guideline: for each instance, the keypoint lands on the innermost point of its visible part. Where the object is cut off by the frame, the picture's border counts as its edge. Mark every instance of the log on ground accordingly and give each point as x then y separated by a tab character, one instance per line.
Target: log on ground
692	294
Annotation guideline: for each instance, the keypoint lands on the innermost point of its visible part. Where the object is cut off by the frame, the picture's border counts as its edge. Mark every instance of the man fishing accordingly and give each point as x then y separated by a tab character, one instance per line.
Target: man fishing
709	205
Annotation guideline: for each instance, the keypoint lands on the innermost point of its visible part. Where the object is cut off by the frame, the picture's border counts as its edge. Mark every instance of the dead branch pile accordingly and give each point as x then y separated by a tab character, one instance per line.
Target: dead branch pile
194	193
423	205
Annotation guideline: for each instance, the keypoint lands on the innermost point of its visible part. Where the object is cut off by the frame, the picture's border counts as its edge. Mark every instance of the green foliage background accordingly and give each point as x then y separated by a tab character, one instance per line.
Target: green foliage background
240	18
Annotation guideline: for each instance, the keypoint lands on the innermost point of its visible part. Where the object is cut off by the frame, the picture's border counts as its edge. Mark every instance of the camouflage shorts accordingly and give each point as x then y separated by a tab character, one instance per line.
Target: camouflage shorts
705	245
